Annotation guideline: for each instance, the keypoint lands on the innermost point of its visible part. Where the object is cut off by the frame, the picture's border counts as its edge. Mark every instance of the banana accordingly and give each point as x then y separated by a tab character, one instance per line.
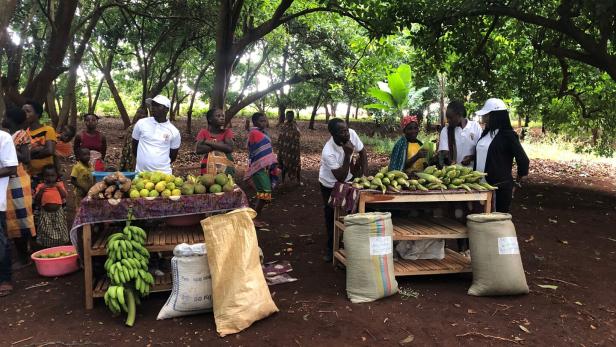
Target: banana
116	306
126	274
127	263
112	291
120	295
123	245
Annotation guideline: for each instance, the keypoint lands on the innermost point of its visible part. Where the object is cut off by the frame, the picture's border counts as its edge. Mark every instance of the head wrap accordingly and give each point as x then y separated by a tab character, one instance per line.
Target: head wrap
406	120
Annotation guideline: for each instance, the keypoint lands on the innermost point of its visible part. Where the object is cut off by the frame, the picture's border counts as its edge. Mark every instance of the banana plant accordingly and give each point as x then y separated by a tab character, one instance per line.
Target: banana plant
397	94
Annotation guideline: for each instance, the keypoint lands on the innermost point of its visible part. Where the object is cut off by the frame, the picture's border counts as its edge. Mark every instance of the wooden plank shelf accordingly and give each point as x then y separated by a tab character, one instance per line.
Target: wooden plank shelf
452	263
161	284
428	228
161	239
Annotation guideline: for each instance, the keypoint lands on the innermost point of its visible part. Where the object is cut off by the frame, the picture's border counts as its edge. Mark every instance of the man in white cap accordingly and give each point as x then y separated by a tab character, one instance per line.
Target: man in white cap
156	141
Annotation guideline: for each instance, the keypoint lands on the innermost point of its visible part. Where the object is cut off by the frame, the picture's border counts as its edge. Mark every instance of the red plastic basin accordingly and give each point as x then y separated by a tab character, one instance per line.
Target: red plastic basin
52	267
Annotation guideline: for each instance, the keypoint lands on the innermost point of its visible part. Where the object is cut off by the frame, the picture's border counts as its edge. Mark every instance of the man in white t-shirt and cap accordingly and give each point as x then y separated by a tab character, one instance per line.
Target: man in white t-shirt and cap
336	166
156	141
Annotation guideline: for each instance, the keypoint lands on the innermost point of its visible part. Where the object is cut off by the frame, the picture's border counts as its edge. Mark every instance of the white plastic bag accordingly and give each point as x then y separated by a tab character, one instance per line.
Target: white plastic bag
421	249
192	282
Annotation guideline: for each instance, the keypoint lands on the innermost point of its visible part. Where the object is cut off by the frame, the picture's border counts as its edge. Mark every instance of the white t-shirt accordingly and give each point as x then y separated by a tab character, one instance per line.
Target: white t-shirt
8	157
482	151
156	140
332	158
466	139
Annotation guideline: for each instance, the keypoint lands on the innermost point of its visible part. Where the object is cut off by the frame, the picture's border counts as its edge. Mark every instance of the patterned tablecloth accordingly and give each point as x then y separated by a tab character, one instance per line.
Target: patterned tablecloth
94	211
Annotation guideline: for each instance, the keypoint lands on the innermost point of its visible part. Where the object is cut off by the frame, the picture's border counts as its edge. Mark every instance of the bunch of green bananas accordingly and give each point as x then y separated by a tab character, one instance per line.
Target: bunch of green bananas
452	177
127	261
384	180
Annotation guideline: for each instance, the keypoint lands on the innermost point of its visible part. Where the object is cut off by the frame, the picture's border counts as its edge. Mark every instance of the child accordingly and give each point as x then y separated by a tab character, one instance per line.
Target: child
64	149
81	175
93	140
51	227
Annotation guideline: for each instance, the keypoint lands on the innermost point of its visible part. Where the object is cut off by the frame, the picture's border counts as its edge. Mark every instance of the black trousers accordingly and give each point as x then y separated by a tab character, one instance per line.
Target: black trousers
328	212
503	197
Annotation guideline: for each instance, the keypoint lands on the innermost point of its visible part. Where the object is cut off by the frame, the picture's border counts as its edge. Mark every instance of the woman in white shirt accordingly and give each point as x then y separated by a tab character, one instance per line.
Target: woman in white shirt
457	141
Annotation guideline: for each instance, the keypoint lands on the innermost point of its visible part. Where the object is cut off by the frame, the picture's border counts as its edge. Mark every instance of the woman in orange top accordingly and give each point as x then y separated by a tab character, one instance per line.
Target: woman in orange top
51	226
43	145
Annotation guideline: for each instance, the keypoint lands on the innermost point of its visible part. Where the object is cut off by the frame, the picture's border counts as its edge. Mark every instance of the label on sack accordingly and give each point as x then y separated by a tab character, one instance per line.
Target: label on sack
381	245
508	245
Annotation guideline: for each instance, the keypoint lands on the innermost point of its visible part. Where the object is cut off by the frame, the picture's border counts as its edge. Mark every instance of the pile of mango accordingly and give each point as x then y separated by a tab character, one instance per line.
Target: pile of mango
55	255
432	178
208	184
155	184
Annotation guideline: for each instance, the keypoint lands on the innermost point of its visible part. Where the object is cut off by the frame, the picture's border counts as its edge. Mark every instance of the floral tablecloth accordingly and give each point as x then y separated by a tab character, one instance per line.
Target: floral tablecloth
94	211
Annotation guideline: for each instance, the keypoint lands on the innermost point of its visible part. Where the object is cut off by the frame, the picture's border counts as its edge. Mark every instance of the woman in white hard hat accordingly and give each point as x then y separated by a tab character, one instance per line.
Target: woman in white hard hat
496	149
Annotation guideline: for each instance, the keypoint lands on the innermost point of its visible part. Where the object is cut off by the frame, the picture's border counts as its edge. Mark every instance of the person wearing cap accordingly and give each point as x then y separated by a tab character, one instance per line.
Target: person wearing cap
93	140
497	147
458	139
156	141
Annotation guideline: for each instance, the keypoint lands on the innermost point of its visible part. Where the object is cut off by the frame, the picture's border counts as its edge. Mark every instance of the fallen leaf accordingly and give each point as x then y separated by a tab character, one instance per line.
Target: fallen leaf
539	257
553	221
406	340
547	286
264	229
457	305
471	311
385	320
564	242
277	254
579	303
593	327
572	221
306	317
532	237
363	338
518	339
524	329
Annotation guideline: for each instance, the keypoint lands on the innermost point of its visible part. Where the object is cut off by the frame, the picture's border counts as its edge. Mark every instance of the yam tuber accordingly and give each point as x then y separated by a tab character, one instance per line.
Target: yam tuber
118	194
96	189
111	179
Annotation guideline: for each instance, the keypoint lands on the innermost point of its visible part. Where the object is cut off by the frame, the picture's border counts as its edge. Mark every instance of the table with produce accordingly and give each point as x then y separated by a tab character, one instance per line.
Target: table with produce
152	200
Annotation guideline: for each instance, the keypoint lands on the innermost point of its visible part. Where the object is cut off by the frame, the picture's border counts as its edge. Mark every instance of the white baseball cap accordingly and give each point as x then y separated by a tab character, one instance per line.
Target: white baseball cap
159	99
492	104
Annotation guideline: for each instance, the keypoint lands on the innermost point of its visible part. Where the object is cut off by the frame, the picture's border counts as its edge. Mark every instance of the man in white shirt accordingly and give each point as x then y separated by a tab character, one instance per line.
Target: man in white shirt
8	167
465	134
156	141
336	166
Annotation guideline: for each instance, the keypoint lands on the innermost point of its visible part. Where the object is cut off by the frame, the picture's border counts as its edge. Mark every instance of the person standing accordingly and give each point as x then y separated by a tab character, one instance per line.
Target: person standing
156	141
43	145
19	216
215	138
262	164
94	141
336	166
127	159
289	149
8	168
497	147
407	154
457	141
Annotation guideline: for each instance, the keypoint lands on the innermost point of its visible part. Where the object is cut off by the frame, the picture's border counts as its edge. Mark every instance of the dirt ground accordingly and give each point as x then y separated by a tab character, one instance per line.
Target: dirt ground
564	218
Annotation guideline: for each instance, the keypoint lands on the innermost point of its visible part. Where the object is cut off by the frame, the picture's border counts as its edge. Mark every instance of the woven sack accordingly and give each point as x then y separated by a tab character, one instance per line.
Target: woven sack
239	291
368	246
495	256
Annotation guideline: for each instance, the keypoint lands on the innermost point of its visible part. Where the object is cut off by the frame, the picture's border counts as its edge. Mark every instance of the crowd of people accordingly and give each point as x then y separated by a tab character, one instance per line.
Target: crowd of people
33	208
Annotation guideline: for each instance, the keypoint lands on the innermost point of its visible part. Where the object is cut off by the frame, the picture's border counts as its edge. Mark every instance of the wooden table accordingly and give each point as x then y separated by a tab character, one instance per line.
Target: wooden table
161	238
419	229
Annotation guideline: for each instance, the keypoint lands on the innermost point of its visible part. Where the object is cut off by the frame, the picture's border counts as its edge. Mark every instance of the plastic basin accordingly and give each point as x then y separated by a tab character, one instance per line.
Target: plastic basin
99	175
52	267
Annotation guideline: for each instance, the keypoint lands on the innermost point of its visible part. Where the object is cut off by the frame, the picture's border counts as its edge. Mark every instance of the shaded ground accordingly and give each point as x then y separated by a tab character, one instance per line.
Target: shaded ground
564	218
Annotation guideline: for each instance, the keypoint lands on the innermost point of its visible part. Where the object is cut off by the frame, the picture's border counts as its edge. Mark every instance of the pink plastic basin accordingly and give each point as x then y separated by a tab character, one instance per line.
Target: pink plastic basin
52	267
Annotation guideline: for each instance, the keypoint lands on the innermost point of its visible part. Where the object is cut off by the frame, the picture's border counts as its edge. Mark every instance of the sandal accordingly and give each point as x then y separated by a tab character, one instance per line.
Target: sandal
5	289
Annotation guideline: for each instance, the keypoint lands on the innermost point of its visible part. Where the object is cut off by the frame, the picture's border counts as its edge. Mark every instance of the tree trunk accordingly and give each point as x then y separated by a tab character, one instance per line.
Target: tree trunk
223	59
327	114
334	109
282	108
357	112
525	129
50	105
348	112
114	91
92	107
69	98
282	105
192	99
73	117
174	99
315	108
441	91
61	37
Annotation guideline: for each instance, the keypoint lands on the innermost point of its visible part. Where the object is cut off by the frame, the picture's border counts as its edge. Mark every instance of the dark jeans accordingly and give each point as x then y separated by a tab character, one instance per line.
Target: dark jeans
503	197
329	217
5	251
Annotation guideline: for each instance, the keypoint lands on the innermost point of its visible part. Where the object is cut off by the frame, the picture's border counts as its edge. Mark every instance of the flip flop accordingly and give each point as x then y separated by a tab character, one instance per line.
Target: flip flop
5	289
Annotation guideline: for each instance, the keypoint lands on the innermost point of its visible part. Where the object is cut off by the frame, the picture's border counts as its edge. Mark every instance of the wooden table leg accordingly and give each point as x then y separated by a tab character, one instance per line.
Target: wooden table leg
362	204
87	266
336	245
488	207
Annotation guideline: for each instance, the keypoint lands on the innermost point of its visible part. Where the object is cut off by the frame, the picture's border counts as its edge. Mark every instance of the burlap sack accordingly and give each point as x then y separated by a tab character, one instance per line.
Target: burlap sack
368	246
239	291
495	256
217	162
